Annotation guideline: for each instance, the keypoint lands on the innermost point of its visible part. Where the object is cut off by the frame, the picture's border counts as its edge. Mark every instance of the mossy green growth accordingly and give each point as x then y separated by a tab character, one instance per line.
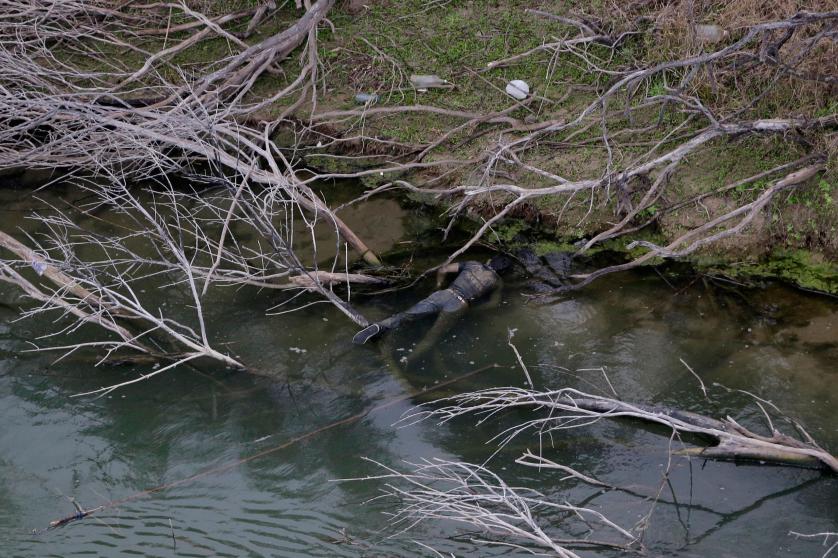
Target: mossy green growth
506	231
324	163
800	267
543	247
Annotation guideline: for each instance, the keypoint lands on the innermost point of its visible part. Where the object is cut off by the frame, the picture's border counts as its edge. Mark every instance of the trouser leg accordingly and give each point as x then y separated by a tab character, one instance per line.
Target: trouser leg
429	306
443	323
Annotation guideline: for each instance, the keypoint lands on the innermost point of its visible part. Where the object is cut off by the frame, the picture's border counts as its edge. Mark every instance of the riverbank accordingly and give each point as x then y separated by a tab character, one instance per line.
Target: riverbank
700	134
375	49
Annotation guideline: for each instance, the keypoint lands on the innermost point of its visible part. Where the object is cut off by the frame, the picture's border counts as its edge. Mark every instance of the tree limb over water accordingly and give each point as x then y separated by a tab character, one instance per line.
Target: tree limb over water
121	126
568	408
465	493
470	494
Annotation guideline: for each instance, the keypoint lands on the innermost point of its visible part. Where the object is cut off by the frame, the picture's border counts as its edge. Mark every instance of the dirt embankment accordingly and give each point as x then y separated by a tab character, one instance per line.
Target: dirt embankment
442	136
676	124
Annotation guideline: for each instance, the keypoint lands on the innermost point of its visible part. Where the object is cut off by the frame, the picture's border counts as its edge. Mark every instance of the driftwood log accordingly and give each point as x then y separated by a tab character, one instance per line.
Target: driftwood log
569	408
733	441
312	279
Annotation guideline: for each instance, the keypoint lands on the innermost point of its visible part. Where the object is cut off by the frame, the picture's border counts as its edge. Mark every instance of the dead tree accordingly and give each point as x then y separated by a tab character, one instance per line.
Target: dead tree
568	408
121	129
474	496
514	172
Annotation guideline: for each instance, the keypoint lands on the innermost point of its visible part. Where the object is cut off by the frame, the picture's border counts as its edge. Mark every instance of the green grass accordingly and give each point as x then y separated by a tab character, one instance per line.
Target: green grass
459	40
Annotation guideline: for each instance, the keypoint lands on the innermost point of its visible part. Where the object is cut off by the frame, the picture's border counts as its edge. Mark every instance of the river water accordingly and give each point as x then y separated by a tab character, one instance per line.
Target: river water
211	443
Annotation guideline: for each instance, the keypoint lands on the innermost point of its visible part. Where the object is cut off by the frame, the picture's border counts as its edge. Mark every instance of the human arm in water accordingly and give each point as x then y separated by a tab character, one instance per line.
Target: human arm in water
445	270
494	298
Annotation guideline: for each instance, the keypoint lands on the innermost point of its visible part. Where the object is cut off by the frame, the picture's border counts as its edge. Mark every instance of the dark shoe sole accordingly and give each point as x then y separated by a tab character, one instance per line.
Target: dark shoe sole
366	334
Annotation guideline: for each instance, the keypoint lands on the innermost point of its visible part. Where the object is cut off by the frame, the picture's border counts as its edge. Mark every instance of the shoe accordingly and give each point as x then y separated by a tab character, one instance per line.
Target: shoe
366	334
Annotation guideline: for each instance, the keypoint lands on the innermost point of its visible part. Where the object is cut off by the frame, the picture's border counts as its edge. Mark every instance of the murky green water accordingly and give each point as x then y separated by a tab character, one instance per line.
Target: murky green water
776	343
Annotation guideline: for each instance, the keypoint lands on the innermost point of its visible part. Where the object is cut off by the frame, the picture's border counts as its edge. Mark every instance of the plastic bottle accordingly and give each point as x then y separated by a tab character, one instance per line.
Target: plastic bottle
364	98
423	82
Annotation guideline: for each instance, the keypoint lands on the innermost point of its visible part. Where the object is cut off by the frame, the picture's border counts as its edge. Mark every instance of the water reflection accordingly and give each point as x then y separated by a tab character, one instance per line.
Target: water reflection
636	329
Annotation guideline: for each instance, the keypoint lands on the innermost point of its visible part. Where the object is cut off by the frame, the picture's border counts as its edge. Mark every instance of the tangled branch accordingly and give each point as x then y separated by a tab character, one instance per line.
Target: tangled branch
568	408
129	130
475	496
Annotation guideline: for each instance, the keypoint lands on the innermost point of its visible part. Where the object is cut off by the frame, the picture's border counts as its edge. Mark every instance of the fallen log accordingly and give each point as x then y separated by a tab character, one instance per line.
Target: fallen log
42	267
733	441
311	279
569	408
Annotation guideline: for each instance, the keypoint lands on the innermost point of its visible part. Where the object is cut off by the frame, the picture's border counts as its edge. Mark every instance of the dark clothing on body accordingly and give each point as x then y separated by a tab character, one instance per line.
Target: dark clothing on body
474	281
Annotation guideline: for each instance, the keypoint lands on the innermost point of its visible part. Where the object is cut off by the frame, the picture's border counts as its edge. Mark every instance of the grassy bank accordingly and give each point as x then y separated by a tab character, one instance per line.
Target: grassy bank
374	47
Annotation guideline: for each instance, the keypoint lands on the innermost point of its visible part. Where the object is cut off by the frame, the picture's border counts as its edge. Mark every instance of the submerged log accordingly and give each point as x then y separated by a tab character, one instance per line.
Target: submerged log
569	408
325	278
733	441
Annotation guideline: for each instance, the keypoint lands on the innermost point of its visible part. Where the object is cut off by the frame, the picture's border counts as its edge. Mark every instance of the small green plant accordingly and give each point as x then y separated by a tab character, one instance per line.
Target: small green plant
648	212
825	189
793	234
829	109
507	231
657	87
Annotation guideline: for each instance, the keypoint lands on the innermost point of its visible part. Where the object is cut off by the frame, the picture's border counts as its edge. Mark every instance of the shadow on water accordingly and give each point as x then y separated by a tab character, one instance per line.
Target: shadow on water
776	343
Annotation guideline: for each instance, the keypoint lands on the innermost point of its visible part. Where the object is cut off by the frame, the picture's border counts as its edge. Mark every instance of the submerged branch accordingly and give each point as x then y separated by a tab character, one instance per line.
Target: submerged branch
473	495
569	408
